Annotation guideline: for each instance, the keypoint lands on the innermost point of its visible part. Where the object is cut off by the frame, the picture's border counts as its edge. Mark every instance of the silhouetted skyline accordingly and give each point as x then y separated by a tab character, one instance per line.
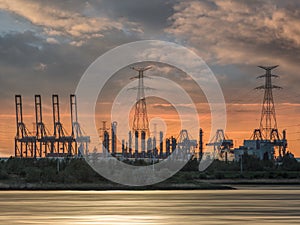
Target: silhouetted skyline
45	47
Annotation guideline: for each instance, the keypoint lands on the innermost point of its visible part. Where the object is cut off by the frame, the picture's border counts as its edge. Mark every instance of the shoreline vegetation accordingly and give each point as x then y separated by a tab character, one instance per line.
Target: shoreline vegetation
76	174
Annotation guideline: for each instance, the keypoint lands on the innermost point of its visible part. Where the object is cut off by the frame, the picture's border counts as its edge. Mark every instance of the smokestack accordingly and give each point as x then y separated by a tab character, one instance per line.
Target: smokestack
136	134
106	141
161	136
143	143
154	146
168	144
284	142
113	137
174	144
200	144
149	146
130	142
123	148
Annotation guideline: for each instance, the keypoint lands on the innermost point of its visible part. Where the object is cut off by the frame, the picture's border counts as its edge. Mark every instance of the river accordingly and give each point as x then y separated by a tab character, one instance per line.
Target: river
243	206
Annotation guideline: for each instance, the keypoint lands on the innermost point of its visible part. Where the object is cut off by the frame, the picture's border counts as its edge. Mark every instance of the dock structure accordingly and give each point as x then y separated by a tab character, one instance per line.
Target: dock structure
42	143
25	141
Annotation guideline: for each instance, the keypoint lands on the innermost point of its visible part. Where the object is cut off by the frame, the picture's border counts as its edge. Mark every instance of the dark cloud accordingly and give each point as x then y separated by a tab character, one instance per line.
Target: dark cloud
30	65
152	14
149	13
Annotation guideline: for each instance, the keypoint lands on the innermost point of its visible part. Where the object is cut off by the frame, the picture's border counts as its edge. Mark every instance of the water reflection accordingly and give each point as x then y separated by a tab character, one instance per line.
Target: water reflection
151	207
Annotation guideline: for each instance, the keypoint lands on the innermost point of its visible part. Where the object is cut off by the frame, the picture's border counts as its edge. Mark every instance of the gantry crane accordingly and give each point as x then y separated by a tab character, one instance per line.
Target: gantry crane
185	145
222	144
25	142
64	143
46	141
77	132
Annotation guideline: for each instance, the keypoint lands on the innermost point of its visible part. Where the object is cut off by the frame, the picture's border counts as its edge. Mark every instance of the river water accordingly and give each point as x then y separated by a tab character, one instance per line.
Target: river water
246	206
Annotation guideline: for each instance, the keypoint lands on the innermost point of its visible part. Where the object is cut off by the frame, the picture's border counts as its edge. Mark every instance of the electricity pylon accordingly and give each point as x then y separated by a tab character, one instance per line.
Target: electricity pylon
268	115
140	120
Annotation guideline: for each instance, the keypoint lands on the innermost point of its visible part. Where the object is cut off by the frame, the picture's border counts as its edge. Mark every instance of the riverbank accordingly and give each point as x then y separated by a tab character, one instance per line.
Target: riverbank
254	181
217	184
111	186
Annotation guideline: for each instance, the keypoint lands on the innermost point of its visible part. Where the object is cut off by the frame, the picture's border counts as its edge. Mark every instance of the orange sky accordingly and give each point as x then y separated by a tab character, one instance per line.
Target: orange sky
242	118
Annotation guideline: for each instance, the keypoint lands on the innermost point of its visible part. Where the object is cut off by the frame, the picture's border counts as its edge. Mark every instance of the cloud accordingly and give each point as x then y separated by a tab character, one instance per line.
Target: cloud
236	36
52	40
40	67
170	107
235	31
152	15
30	64
57	20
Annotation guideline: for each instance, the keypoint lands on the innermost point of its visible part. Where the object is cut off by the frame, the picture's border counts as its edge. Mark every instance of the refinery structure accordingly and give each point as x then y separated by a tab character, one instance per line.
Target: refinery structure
266	141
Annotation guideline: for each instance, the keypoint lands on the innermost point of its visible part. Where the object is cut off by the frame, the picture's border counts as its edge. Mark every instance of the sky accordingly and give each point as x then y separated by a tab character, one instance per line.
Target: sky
46	46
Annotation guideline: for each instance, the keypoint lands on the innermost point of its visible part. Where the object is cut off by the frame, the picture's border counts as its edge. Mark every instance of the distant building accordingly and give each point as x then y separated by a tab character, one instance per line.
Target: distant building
262	149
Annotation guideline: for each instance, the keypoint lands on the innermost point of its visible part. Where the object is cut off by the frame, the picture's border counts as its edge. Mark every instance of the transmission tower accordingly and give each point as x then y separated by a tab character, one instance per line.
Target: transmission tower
140	120
268	115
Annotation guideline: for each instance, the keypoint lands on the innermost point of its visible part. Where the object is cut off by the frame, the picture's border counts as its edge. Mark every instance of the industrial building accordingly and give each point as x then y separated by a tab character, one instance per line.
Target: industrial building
262	149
